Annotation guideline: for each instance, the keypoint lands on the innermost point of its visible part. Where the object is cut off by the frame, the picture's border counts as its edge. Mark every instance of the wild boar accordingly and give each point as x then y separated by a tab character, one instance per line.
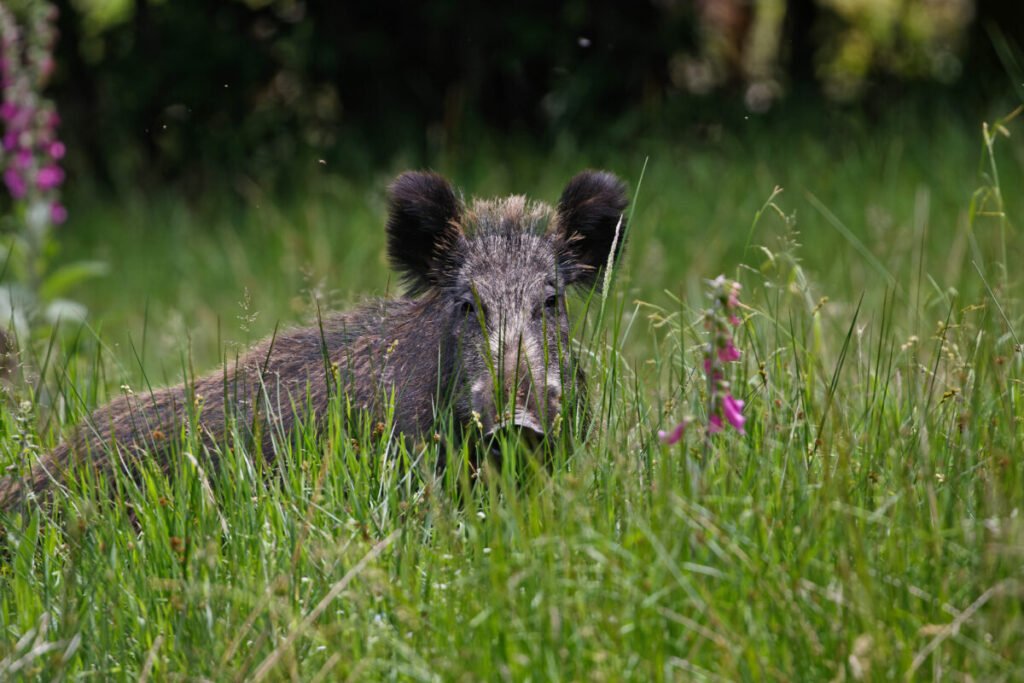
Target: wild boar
481	335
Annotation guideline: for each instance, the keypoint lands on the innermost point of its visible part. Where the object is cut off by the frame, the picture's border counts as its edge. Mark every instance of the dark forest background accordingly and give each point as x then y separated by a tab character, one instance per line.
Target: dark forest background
193	92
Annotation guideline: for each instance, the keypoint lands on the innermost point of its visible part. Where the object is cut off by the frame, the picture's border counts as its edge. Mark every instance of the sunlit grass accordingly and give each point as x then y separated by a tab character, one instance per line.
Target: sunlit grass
867	526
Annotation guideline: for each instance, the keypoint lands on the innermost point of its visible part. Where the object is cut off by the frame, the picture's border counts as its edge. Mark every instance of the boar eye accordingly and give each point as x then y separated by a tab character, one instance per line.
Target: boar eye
551	301
469	308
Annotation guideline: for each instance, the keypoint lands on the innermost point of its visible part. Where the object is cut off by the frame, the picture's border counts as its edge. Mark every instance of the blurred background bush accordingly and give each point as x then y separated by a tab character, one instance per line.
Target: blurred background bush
199	91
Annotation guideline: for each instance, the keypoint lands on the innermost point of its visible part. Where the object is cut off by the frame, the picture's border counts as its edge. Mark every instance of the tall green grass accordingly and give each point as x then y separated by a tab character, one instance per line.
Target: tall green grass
868	525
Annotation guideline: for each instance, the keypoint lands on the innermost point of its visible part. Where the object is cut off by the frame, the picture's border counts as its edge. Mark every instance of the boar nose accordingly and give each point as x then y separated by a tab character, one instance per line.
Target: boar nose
523	427
519	367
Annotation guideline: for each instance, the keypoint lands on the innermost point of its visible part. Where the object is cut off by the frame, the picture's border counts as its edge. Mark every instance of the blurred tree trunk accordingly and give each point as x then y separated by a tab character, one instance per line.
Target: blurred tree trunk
147	44
79	98
799	44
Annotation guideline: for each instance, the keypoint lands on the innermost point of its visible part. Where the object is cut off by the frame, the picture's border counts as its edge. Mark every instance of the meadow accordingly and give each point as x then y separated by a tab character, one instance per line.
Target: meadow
869	525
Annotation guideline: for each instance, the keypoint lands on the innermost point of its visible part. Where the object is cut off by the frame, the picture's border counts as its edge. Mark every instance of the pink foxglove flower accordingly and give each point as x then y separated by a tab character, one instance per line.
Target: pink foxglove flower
670	438
28	120
15	183
58	214
733	409
49	177
714	424
728	352
720	322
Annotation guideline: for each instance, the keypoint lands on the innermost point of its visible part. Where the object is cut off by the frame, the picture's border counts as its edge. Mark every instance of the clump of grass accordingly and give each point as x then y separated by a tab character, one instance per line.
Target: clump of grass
866	525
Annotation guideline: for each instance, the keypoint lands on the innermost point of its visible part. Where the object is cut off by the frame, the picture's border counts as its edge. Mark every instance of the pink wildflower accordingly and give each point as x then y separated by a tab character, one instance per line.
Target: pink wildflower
733	409
714	424
49	177
57	150
670	438
8	110
15	183
719	320
58	214
46	67
729	352
734	296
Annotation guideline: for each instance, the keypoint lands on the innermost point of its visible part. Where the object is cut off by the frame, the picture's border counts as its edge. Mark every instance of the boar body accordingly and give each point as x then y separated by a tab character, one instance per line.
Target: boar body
482	337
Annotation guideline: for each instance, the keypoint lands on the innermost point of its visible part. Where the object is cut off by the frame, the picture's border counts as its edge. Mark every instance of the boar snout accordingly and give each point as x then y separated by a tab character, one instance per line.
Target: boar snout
521	399
522	426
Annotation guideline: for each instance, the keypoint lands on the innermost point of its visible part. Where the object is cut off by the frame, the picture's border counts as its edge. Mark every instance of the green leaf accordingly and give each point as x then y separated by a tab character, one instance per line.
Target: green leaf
61	280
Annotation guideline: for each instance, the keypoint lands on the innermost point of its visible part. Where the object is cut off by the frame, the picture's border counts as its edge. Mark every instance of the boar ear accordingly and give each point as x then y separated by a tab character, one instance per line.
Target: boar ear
423	227
589	222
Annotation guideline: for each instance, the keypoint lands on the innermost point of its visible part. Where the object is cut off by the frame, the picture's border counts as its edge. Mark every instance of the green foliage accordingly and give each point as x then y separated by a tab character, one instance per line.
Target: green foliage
36	294
196	91
221	93
33	295
908	40
866	527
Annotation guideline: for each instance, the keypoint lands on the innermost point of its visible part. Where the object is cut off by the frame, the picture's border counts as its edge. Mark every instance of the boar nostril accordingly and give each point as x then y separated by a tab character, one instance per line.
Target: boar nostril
530	436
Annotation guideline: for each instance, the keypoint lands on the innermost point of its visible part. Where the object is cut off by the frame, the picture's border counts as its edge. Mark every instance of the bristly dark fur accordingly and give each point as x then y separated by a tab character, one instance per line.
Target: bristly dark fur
486	347
591	208
423	223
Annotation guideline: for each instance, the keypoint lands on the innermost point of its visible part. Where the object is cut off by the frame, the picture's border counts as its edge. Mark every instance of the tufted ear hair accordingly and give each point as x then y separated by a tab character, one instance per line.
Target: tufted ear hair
423	228
589	223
